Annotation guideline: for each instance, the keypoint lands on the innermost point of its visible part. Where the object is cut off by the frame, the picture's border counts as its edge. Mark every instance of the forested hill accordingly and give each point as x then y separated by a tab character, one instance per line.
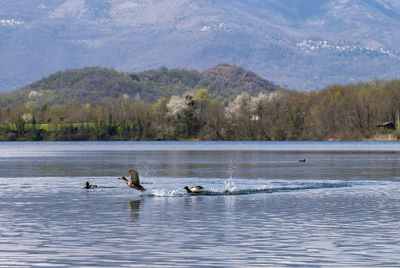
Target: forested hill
98	85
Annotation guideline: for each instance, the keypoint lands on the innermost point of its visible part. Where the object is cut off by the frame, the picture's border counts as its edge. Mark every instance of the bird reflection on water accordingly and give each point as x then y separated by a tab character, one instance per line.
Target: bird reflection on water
134	207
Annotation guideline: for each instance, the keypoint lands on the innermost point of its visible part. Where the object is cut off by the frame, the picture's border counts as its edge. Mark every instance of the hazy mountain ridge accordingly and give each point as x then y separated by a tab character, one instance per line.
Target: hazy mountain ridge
343	41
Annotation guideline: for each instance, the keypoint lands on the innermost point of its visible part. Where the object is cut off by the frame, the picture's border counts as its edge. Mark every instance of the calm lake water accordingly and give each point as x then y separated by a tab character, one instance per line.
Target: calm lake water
264	208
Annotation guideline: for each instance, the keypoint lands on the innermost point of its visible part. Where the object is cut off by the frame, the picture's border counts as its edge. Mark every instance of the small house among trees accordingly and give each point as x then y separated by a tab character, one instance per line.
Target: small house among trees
387	125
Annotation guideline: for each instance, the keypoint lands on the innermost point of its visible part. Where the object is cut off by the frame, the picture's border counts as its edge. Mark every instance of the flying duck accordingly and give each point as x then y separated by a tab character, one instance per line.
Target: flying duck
195	189
90	186
135	182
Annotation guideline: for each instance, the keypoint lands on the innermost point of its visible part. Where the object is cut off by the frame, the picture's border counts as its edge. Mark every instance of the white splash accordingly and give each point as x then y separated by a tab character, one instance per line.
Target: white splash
165	193
230	185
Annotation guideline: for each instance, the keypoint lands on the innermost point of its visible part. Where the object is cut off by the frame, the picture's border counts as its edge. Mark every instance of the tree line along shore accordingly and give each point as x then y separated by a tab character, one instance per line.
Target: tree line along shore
362	111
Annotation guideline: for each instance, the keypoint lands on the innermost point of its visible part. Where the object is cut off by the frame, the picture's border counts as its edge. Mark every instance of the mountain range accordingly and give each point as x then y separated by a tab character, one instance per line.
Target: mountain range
301	44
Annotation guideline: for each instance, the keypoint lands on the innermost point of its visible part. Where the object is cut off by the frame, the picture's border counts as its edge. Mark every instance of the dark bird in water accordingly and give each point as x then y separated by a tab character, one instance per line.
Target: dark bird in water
90	186
302	160
135	182
195	189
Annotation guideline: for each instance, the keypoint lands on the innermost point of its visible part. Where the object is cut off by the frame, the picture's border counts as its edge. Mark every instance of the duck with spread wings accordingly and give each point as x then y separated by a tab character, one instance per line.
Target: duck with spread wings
135	181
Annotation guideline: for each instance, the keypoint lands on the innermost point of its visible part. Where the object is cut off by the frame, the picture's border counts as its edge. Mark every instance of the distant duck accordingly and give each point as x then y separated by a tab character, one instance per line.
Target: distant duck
90	186
195	189
135	182
302	160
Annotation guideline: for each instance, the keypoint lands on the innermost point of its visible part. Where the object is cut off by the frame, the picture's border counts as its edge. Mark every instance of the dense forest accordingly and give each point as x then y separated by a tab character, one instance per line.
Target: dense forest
100	85
340	112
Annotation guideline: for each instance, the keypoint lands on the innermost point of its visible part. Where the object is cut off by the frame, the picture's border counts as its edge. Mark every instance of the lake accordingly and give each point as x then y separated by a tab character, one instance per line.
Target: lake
263	207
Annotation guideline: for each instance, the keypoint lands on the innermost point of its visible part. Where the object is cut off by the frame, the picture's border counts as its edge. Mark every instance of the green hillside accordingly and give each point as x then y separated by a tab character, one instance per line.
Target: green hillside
98	85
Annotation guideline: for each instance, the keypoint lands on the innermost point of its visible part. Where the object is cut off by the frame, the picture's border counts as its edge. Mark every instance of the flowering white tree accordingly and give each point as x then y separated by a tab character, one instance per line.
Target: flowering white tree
176	105
246	104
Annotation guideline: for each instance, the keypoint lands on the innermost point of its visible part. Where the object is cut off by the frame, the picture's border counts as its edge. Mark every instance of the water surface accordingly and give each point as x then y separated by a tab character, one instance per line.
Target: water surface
263	206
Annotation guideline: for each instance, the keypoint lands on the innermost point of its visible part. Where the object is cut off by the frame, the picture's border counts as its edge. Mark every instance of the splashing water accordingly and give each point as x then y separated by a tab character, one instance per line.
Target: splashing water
230	185
146	170
231	168
164	193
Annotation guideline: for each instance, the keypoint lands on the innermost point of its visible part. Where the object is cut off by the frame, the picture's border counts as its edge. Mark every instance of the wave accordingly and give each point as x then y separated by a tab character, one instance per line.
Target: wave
232	189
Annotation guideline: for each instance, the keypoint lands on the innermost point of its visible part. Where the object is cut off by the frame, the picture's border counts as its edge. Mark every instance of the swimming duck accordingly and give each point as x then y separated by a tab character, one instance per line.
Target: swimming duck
195	189
90	186
302	160
135	182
